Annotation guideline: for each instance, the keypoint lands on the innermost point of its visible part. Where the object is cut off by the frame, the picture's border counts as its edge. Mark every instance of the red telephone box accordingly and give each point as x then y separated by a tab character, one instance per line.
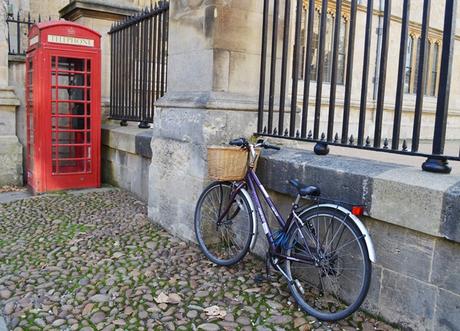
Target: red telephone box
63	100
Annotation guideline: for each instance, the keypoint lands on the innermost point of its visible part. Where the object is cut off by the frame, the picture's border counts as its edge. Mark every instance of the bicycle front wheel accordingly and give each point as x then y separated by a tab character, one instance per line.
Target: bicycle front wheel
332	270
227	241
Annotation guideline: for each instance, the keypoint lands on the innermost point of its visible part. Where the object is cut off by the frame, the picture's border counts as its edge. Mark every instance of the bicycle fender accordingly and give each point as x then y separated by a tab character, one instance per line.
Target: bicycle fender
254	218
357	221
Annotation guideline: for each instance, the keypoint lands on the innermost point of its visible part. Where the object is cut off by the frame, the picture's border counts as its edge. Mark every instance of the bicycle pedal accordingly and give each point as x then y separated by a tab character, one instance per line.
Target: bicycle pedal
258	279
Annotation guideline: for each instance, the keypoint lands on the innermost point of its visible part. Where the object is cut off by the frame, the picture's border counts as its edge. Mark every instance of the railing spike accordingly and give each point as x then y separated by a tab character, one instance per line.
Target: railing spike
323	136
336	137
310	134
297	133
404	145
286	132
368	141
275	131
385	143
39	18
351	140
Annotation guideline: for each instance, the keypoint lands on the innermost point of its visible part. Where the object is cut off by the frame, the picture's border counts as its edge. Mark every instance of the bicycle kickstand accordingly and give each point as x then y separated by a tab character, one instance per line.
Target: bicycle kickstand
267	277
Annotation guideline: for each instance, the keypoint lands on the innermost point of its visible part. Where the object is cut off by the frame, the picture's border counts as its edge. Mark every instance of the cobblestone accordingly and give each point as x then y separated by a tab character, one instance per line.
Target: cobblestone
93	261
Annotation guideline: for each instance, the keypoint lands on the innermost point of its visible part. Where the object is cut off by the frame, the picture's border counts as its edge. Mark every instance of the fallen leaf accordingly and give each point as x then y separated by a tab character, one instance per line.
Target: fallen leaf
117	255
162	298
87	309
174	298
215	311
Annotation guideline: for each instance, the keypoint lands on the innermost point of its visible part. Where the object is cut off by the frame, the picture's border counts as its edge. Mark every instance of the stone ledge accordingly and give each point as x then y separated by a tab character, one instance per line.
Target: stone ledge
8	99
18	59
401	195
208	100
129	139
113	10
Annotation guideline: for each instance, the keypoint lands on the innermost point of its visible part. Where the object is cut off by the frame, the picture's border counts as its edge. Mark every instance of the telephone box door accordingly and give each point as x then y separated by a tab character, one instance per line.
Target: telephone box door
73	128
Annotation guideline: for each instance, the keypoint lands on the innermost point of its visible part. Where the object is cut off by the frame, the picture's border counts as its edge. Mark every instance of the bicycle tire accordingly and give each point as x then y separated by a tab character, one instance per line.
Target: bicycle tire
311	299
240	216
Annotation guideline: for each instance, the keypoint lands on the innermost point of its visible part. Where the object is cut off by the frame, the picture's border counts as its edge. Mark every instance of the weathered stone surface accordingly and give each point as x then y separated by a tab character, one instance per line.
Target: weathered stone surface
143	143
124	158
446	265
371	303
405	251
10	161
450	225
179	157
447	315
394	191
407	301
342	178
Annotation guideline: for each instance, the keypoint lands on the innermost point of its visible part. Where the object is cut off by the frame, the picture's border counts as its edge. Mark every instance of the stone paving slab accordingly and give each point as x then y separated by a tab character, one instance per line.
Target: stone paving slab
6	197
93	261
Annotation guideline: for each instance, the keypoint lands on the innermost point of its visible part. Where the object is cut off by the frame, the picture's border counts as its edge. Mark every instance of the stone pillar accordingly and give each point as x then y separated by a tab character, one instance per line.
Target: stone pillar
213	78
99	16
10	148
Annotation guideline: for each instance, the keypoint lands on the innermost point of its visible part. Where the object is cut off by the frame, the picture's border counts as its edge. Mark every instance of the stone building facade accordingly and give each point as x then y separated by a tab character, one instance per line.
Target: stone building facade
214	60
63	8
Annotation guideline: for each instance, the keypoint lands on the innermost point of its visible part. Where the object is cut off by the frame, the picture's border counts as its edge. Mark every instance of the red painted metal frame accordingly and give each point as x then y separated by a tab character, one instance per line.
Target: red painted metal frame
63	157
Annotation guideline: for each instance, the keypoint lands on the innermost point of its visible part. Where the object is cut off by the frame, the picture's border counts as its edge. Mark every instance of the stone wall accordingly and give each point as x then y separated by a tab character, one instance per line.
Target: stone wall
412	217
126	157
10	148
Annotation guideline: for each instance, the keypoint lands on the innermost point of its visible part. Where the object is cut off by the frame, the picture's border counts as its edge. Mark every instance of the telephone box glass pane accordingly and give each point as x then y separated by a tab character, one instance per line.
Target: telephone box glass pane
70	102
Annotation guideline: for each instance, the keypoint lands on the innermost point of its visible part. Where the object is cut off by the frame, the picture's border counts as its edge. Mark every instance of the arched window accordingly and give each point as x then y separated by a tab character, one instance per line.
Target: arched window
427	76
328	51
342	48
434	70
314	62
409	69
417	60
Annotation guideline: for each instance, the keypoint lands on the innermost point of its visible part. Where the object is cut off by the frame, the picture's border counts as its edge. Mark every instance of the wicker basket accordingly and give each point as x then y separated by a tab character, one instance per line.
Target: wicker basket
228	163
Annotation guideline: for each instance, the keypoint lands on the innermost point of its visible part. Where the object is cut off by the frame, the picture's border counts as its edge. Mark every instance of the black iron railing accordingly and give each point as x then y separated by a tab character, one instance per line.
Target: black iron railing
18	32
139	60
308	25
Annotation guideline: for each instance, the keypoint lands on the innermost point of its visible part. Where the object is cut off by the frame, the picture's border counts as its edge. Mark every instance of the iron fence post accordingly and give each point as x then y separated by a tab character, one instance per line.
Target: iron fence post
438	163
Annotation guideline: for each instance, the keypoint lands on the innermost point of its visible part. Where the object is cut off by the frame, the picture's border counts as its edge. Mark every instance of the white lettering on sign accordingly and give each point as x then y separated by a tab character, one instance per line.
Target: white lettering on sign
70	40
33	41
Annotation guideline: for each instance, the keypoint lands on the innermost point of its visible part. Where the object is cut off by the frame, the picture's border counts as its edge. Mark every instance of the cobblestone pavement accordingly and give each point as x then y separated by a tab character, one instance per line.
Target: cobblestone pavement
92	261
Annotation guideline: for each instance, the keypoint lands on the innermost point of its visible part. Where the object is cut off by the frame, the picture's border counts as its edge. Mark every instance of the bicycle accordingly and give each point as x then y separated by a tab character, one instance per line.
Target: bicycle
327	281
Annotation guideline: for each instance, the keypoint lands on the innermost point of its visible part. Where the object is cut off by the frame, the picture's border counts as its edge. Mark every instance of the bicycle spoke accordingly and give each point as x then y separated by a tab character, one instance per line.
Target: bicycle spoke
348	243
335	281
228	241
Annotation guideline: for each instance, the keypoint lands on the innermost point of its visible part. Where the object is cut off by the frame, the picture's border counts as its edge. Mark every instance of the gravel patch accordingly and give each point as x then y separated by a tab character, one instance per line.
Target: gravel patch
93	261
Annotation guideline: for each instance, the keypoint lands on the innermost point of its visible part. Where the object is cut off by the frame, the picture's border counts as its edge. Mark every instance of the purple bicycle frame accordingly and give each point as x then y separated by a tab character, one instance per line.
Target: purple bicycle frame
254	182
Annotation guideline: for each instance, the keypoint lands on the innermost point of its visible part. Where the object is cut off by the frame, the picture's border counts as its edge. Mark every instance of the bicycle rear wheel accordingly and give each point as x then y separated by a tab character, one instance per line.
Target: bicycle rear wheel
226	242
333	277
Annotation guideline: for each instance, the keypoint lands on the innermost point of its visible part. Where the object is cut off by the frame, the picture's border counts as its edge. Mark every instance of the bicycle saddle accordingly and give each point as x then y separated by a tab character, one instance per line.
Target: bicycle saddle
305	190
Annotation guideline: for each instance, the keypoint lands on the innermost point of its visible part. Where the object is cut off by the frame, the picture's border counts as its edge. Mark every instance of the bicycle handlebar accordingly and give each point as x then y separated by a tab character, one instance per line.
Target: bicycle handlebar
268	146
242	142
